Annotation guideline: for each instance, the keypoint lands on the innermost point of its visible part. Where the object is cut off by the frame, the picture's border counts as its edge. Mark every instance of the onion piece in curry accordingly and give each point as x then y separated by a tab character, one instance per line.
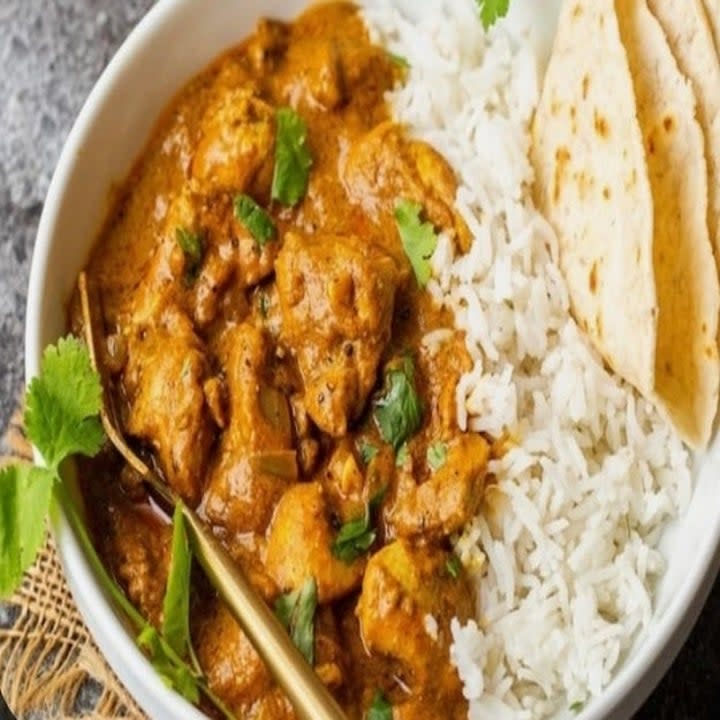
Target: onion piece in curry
264	326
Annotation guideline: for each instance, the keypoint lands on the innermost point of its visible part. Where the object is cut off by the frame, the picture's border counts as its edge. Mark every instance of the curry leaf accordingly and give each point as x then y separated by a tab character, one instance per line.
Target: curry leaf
292	158
296	611
176	604
492	10
258	223
63	404
418	238
380	709
437	455
398	413
25	493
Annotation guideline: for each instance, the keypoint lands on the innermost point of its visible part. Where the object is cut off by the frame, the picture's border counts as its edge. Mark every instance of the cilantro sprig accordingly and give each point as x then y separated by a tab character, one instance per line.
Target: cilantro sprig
63	406
491	11
356	537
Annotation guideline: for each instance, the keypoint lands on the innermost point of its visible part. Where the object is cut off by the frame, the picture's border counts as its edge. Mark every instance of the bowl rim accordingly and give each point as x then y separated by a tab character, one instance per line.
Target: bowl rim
635	678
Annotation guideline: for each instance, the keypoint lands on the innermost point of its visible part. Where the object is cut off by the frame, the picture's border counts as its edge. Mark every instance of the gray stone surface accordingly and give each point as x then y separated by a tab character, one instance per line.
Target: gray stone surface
51	52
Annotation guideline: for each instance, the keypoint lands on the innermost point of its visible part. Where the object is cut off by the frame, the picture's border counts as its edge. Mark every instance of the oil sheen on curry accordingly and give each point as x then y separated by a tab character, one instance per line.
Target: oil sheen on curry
274	353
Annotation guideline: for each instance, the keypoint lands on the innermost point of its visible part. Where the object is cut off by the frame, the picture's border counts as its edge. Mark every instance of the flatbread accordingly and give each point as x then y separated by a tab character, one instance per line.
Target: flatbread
592	184
686	26
713	11
687	370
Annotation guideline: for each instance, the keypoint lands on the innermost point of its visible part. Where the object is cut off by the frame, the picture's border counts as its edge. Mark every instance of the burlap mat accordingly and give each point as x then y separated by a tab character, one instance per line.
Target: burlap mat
50	668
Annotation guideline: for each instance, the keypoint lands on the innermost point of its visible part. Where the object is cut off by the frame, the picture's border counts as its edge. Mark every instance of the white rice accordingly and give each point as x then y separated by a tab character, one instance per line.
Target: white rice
569	566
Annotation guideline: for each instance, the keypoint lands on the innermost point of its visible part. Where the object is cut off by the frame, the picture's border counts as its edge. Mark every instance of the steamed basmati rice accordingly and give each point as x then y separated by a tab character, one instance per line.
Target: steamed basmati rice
566	561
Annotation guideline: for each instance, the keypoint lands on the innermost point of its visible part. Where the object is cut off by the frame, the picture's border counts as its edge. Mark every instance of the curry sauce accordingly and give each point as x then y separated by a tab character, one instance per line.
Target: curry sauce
287	374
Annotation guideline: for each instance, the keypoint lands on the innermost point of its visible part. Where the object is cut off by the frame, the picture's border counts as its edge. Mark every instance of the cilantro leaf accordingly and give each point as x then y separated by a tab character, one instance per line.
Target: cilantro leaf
193	246
296	611
492	10
398	413
354	539
418	238
176	604
292	158
577	707
63	404
258	223
437	455
176	675
454	566
367	451
380	709
25	493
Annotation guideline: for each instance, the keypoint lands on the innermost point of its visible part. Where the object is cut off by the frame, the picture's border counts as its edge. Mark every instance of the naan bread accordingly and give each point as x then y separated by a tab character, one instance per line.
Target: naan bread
592	184
687	370
713	11
686	26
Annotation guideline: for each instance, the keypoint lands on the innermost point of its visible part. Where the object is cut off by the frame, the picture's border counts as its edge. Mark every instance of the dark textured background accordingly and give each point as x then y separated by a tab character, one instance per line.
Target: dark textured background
51	52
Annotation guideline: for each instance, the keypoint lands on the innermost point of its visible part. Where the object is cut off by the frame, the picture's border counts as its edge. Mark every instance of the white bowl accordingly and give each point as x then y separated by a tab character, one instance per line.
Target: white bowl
177	39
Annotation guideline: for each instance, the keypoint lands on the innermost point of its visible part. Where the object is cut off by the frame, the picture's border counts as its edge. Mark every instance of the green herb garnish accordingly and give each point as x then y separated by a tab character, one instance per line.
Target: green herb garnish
491	11
258	223
367	451
292	158
437	456
418	238
398	413
354	539
380	708
577	707
193	246
296	612
454	566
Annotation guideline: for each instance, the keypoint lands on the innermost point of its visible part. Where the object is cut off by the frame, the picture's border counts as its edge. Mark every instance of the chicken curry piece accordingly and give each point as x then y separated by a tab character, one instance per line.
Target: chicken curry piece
275	357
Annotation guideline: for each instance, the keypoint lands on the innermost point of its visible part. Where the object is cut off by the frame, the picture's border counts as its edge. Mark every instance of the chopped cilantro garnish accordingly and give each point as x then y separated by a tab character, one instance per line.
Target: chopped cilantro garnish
292	158
437	455
354	539
193	246
296	612
418	239
492	10
380	708
577	707
398	413
454	566
258	223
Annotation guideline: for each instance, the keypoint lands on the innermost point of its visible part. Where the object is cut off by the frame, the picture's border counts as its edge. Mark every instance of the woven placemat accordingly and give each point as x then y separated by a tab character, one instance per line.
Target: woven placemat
50	668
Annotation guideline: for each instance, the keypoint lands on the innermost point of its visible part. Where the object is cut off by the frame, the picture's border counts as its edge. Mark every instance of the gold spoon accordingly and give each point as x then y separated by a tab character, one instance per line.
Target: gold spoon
310	698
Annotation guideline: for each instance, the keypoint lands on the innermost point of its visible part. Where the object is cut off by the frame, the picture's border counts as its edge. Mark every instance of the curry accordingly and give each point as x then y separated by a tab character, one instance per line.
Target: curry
273	352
